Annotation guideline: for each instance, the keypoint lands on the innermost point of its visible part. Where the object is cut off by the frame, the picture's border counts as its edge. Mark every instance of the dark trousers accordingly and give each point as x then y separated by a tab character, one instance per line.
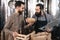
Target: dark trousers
56	33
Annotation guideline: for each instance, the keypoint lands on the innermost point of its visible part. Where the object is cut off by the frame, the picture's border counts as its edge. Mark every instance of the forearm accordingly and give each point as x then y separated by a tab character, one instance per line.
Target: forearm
6	30
28	25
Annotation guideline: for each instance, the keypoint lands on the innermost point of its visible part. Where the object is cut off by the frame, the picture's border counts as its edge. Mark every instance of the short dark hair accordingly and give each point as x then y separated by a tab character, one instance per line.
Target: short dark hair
18	3
41	6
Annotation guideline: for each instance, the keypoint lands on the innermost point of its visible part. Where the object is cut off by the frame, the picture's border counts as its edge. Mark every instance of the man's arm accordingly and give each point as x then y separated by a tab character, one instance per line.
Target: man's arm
8	25
51	24
29	21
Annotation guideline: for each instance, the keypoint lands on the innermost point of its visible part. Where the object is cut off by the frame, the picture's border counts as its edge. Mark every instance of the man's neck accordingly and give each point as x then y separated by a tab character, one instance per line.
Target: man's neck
16	11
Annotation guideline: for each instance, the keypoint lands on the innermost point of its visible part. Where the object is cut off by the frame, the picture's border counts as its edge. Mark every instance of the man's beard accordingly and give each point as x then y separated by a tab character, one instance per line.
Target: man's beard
38	14
19	12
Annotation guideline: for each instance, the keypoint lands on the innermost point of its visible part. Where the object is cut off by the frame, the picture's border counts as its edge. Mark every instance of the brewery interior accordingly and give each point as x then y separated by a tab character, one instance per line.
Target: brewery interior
6	9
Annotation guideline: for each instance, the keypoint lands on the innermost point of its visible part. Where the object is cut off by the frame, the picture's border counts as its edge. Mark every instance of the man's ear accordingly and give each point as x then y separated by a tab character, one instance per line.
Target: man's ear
17	7
42	11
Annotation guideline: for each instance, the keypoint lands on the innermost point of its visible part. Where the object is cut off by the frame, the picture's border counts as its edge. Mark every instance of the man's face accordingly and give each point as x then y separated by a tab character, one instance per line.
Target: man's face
37	9
21	8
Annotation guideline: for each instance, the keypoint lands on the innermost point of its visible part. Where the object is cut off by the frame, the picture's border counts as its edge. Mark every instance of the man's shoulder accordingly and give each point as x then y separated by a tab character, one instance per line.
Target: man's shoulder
12	15
50	15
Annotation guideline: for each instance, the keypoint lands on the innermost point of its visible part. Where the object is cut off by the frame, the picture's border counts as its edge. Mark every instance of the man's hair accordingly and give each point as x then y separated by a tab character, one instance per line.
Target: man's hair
18	3
41	6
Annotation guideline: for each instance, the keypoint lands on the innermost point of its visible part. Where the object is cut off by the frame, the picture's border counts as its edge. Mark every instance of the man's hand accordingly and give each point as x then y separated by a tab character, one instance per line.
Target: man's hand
15	34
48	29
30	21
30	24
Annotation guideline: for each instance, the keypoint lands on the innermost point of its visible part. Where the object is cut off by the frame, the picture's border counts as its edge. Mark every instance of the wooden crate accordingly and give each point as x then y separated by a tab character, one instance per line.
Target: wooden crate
24	37
41	36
